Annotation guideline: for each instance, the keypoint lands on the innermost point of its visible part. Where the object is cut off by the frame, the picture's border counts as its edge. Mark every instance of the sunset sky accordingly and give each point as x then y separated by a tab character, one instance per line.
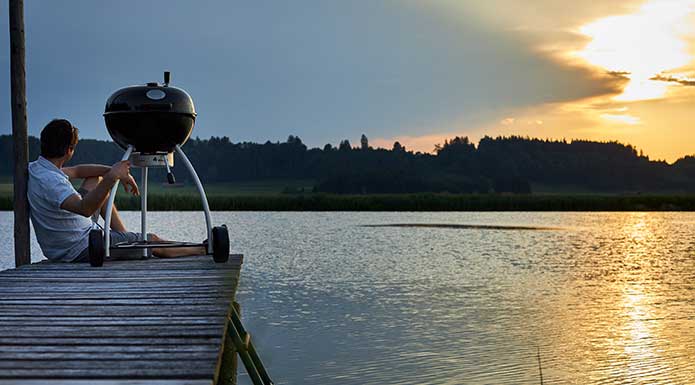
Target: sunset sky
413	71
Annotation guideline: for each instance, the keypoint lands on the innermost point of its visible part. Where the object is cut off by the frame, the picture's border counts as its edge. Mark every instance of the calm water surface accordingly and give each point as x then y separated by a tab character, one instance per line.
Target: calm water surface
604	297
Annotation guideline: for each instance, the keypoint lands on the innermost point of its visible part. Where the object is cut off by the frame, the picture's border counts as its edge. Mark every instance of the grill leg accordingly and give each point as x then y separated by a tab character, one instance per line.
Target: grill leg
201	191
143	210
109	209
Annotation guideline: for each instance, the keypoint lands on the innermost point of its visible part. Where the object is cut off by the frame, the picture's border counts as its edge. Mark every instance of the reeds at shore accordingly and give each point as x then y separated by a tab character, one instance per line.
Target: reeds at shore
406	202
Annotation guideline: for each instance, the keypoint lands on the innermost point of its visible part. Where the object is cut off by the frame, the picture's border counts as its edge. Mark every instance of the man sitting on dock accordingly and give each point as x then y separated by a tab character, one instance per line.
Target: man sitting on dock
61	215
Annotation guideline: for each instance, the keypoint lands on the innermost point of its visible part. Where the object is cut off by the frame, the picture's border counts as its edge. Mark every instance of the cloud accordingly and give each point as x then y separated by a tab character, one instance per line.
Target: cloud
621	118
421	71
320	70
629	42
619	74
673	79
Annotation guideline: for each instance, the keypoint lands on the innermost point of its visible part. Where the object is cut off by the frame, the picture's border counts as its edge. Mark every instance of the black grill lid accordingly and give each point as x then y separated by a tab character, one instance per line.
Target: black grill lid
152	117
152	96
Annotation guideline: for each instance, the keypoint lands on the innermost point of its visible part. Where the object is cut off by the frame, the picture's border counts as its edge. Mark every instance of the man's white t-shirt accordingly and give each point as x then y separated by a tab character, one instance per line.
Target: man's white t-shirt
62	234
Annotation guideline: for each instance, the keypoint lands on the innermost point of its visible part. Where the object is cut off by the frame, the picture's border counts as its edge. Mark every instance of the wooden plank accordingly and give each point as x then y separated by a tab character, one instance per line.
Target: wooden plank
110	341
67	321
174	355
76	281
135	294
198	300
115	293
103	382
136	266
139	268
111	331
235	261
60	323
224	274
146	264
111	311
174	293
102	363
55	286
96	279
101	349
117	369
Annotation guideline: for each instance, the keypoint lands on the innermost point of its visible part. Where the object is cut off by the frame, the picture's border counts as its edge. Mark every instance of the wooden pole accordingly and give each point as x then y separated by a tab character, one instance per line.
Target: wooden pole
228	366
22	253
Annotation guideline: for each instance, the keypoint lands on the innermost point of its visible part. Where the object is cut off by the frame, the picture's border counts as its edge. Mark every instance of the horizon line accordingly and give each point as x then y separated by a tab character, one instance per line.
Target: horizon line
433	152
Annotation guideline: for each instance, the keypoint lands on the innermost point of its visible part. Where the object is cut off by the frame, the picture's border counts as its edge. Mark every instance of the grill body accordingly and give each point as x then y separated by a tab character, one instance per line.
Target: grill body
152	118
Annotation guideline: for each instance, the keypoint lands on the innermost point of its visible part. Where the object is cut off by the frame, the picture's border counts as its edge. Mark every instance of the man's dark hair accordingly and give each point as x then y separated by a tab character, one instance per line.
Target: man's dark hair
57	137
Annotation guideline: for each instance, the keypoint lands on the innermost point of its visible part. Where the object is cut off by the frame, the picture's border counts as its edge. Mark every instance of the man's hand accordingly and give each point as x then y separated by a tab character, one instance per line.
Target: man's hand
121	171
130	182
96	198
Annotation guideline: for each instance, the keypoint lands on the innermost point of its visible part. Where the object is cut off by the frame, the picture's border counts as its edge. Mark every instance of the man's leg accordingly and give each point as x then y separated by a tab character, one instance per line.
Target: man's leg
177	251
117	225
88	184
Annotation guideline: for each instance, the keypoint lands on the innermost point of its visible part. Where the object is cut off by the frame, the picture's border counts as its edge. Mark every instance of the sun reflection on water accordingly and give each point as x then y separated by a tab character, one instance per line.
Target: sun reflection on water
632	336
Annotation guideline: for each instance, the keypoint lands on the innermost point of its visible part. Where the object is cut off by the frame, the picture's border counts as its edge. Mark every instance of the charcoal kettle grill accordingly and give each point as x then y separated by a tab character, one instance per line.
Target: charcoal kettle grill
151	122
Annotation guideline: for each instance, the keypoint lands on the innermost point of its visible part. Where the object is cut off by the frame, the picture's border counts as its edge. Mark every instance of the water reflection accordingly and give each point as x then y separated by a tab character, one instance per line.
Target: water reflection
631	311
635	324
608	298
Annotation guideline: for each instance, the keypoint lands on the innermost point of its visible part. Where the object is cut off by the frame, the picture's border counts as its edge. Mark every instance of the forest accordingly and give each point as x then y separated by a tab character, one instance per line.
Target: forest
494	165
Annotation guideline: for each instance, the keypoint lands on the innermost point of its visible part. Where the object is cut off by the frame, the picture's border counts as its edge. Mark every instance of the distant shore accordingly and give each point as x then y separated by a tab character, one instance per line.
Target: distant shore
406	202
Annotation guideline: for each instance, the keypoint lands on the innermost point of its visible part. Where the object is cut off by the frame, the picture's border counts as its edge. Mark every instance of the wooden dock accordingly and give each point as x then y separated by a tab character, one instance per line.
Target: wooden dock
145	322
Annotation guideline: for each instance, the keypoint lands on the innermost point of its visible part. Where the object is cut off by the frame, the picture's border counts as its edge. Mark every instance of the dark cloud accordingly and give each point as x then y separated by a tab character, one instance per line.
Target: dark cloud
264	69
664	78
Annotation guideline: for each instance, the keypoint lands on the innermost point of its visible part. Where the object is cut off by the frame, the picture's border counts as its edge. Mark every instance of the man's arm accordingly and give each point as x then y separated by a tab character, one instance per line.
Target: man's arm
86	170
82	171
97	197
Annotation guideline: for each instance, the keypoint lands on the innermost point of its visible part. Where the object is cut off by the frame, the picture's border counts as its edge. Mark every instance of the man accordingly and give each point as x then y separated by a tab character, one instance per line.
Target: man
61	215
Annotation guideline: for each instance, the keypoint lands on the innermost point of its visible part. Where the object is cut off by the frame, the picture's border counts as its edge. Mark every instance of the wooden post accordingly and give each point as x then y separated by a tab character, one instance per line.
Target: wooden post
228	368
22	253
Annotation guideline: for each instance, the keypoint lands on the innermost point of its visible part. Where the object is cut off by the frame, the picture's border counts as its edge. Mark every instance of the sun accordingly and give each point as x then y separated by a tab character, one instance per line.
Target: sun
642	45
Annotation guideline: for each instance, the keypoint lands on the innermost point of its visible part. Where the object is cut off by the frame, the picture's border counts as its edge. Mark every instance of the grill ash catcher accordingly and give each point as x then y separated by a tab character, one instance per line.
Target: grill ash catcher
151	122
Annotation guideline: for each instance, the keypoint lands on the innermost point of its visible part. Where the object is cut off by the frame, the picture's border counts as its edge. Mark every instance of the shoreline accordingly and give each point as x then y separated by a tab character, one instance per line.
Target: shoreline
406	202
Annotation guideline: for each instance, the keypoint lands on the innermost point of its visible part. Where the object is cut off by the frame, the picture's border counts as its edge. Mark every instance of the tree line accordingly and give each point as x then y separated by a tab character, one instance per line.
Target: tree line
511	164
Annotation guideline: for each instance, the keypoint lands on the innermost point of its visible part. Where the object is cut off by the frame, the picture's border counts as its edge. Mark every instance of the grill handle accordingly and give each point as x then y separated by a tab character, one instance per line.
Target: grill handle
156	107
167	77
170	175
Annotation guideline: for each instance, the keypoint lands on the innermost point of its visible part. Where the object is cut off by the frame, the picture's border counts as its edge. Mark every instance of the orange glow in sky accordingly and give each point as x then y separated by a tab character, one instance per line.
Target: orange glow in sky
644	52
641	45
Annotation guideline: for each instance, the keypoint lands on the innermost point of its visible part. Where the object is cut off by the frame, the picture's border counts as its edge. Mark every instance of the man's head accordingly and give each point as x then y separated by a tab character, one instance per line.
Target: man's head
58	139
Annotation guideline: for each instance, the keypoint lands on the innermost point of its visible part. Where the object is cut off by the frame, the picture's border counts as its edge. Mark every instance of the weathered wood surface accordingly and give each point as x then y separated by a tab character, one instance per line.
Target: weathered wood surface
20	148
152	322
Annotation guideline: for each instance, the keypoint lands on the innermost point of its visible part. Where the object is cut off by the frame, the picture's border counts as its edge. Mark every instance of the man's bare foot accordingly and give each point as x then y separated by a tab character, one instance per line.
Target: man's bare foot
166	252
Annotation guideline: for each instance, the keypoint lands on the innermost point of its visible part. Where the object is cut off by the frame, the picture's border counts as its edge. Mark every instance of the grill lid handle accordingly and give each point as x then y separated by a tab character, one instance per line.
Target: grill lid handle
167	77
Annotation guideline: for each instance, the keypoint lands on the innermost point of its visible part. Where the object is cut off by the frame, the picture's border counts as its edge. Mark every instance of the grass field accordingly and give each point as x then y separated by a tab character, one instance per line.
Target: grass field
297	196
5	189
259	188
163	195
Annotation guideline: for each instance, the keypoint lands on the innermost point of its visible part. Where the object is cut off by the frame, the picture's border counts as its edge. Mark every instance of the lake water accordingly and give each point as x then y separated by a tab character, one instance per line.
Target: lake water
600	297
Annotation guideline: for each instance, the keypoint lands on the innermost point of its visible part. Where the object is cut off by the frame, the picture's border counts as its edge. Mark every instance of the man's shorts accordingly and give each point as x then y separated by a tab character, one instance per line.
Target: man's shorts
116	238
